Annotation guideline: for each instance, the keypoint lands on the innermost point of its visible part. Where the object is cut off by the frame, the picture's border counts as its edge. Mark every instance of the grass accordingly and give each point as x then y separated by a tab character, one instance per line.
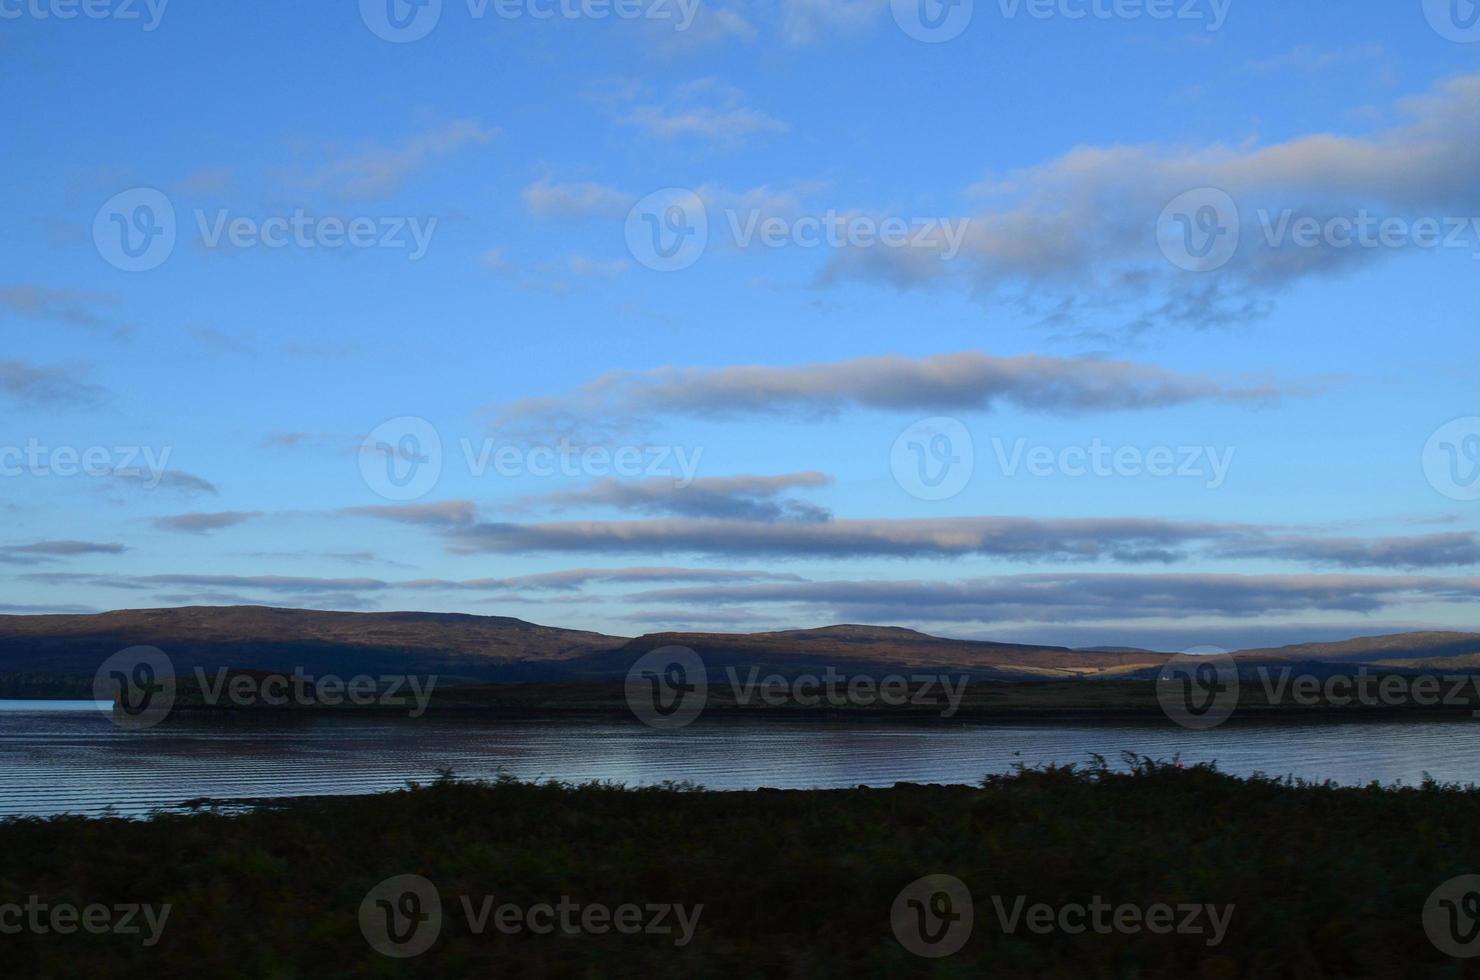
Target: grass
1325	881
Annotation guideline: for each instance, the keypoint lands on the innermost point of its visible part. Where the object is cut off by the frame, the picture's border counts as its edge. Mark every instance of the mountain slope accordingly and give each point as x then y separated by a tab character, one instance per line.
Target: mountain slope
500	648
490	647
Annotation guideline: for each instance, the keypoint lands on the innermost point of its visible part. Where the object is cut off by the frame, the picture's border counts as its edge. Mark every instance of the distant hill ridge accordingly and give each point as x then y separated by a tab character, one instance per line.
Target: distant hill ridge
508	649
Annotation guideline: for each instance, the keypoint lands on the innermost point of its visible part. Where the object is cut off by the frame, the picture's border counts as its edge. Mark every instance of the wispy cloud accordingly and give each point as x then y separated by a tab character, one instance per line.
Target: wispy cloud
1013	538
379	172
41	552
446	513
1085	597
201	523
706	109
1076	238
1421	551
963	382
751	498
34	385
84	308
581	199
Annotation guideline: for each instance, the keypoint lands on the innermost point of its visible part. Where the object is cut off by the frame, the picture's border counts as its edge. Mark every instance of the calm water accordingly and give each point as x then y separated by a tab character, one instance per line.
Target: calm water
67	757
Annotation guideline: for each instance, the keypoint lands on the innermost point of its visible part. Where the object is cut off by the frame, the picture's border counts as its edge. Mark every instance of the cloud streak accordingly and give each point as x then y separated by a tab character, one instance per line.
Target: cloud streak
1085	597
1077	236
30	384
969	381
748	498
203	523
41	552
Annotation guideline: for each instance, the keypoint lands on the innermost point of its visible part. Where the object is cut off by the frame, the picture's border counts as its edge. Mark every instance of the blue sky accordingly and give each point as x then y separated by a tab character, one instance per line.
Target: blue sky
815	431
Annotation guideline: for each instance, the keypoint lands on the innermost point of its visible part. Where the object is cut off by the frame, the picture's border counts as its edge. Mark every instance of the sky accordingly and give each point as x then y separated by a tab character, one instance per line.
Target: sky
1141	322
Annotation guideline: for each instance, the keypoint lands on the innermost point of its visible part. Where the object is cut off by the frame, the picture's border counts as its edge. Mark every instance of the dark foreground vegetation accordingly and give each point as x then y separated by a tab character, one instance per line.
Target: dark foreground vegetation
1324	881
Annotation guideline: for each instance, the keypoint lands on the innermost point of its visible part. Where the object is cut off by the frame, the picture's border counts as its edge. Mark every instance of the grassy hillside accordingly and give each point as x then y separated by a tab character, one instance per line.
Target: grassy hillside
502	649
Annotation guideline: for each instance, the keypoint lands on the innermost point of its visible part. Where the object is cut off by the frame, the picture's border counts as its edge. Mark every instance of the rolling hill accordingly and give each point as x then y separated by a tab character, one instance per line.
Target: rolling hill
499	648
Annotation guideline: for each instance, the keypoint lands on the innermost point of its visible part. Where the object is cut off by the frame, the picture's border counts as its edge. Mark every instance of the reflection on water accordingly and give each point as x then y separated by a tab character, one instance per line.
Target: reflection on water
67	757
